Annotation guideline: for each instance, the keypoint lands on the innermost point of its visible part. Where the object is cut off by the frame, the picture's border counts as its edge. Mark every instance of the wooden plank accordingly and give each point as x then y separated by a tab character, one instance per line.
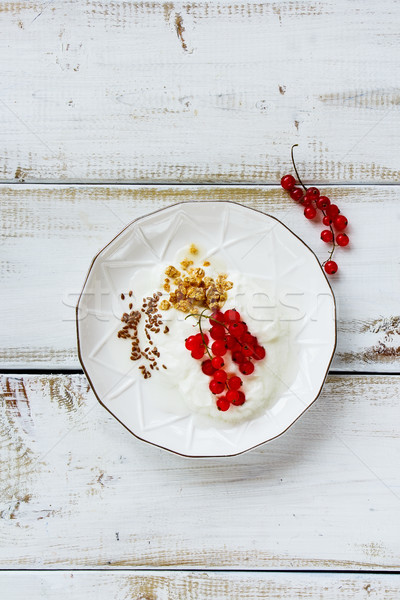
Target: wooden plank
50	234
153	585
79	491
199	92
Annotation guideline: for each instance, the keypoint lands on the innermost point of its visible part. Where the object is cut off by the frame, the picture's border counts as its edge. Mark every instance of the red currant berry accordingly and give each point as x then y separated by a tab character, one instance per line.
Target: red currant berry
237	329
241	400
219	348
288	182
198	352
247	350
310	212
202	339
326	235
220	376
217	332
234	382
217	362
207	367
237	357
312	193
217	318
191	342
216	387
231	315
340	222
332	211
296	194
327	220
247	338
330	267
342	239
223	404
246	367
232	396
259	353
323	202
230	342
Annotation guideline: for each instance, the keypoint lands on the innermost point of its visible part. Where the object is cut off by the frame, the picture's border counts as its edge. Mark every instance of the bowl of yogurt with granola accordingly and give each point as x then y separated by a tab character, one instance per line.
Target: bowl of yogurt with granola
207	342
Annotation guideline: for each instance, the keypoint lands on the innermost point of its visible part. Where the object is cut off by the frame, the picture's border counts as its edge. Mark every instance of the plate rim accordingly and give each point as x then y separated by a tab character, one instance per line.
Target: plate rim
191	456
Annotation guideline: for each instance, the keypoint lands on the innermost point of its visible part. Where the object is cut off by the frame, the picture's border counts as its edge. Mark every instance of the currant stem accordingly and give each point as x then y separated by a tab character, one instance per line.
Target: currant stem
324	213
203	338
333	242
295	168
198	317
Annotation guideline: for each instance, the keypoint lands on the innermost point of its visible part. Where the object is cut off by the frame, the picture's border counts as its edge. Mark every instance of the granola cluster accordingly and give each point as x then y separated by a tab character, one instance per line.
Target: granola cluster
190	290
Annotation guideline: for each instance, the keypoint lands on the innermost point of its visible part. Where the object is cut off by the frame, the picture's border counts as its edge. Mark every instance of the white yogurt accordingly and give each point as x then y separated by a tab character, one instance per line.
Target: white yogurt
256	300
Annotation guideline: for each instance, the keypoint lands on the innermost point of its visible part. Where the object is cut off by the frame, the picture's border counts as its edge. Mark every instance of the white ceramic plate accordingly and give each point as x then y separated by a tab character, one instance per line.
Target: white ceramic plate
250	242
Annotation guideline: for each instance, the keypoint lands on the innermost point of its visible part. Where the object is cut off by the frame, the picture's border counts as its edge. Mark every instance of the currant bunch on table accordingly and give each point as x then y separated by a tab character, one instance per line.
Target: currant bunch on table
315	204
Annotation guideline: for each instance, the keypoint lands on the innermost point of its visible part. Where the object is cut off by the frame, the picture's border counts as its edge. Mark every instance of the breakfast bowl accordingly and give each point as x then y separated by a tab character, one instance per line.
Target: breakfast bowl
206	271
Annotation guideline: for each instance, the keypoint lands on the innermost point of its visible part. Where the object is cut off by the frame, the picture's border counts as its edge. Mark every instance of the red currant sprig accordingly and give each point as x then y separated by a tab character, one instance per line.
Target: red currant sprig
314	202
230	334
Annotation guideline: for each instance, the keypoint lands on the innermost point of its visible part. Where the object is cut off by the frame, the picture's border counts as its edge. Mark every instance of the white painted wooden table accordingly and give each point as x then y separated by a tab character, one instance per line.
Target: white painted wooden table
110	109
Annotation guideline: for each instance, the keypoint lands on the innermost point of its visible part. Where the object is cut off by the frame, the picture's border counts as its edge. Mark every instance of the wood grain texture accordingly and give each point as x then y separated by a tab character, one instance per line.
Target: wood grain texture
199	92
151	585
50	234
79	491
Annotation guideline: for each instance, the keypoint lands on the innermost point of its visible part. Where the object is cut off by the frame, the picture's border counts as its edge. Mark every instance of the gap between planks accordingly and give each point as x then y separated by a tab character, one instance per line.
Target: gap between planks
73	371
198	570
139	183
